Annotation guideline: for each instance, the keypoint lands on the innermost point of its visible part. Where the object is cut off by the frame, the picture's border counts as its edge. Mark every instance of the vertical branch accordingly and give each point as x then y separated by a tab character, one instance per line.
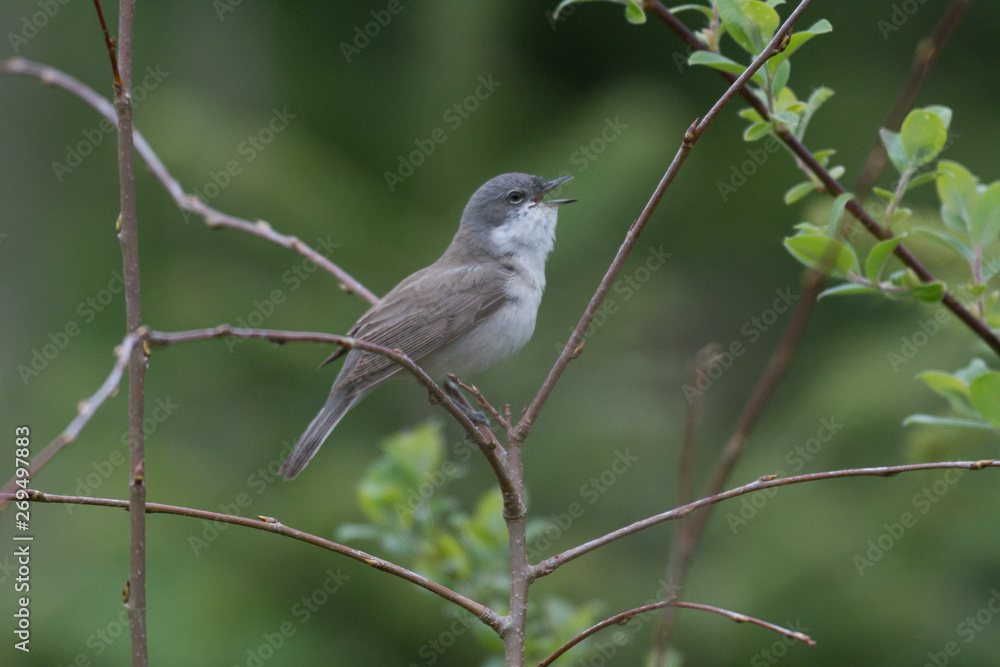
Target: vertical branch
134	594
515	514
813	282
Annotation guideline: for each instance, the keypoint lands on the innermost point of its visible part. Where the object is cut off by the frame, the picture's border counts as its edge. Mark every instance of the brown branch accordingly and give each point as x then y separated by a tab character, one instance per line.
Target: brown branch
109	42
812	284
134	595
832	186
85	411
271	525
692	421
213	217
624	617
573	345
927	52
487	443
549	565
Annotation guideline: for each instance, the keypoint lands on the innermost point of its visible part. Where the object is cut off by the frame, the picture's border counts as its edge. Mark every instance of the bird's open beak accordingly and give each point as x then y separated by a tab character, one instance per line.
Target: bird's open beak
549	187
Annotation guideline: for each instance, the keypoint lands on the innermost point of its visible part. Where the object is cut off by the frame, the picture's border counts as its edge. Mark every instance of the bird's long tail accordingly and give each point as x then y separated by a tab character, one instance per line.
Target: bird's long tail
339	402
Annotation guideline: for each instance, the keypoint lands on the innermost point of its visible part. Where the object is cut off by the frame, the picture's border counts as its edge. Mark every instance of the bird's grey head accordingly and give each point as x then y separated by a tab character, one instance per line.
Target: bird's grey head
508	216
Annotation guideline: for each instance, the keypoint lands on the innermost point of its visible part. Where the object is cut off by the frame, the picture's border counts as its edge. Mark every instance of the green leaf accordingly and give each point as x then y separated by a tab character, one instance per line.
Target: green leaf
949	240
956	187
837	172
984	394
847	289
878	256
721	63
923	135
634	13
942	112
798	39
751	115
946	421
756	131
787	117
950	387
929	292
917	181
893	143
986	215
707	11
797	192
837	210
815	101
781	76
750	22
823	253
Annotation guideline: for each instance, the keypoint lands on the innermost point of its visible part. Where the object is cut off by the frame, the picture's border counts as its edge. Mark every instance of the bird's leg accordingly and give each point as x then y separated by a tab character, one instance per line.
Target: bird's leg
475	416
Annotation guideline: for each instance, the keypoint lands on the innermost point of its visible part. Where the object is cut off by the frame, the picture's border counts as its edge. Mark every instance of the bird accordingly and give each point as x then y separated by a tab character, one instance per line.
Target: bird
469	310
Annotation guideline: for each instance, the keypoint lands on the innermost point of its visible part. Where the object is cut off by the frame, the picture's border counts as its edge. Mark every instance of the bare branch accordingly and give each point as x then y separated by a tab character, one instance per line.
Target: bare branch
812	284
549	565
573	345
271	525
833	187
85	410
624	617
213	217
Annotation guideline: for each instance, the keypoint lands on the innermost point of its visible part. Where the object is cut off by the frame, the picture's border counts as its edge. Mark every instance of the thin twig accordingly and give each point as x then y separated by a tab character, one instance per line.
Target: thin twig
831	185
812	284
927	52
110	44
549	565
624	617
571	349
481	400
692	421
85	411
271	525
213	217
87	408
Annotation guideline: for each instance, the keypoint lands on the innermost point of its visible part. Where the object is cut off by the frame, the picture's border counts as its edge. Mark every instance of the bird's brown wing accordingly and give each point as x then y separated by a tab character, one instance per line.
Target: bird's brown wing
430	308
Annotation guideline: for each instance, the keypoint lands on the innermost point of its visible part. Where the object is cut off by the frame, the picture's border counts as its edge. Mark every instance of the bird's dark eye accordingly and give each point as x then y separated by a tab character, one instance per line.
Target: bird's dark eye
515	196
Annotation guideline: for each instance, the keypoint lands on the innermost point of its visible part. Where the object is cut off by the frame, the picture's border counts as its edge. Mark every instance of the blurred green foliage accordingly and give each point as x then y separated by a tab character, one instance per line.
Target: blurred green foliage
295	113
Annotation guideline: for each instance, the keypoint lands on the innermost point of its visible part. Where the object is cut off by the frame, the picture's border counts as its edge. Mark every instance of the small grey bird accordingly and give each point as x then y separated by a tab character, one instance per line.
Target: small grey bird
467	311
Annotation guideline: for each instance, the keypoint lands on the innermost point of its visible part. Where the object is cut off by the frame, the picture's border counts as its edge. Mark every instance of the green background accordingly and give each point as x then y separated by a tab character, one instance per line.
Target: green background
227	411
